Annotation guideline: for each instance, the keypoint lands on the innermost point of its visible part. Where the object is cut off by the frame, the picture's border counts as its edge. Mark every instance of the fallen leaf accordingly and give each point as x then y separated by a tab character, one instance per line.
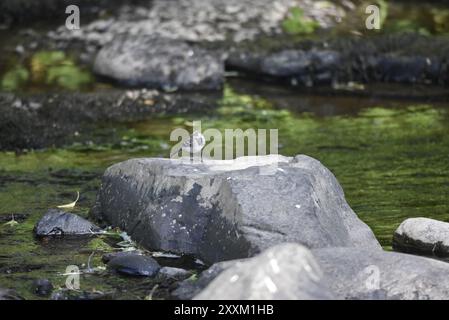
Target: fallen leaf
11	223
72	204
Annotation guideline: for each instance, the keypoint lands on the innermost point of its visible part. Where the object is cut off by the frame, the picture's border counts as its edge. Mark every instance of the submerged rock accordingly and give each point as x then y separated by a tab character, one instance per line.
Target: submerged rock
356	273
42	287
134	265
287	272
159	63
422	236
221	210
60	223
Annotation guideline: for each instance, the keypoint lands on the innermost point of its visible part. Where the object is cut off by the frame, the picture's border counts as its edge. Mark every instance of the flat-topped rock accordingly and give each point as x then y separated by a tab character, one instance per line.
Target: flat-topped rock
231	209
422	236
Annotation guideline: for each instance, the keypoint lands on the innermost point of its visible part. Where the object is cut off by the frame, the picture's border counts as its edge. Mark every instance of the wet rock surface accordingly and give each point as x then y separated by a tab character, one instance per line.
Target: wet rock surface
374	274
159	63
422	236
134	265
228	210
286	272
60	223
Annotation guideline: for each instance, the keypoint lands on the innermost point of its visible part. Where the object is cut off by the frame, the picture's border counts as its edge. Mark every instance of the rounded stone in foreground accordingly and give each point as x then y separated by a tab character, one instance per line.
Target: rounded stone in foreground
422	236
134	265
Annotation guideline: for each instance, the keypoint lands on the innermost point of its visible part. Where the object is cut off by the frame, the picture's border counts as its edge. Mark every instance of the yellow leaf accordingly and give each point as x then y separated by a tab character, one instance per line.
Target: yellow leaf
11	223
72	204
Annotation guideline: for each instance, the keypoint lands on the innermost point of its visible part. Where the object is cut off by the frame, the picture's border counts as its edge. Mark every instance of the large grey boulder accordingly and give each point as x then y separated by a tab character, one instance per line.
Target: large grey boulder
60	223
287	271
231	209
159	63
422	236
356	273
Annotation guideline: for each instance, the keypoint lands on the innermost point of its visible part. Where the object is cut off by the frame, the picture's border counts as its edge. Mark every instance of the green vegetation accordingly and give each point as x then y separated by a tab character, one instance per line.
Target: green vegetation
15	78
297	24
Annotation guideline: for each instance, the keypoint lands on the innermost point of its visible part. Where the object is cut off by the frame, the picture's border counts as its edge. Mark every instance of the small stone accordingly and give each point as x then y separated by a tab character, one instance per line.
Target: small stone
134	265
42	287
